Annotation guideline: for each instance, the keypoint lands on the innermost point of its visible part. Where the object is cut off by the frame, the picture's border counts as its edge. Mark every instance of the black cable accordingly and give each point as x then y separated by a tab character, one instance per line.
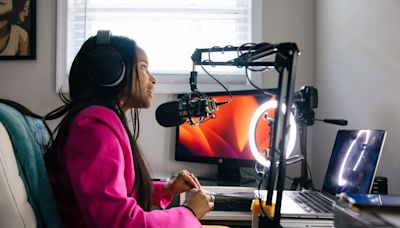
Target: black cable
256	169
253	48
209	54
249	173
226	89
292	179
210	61
259	196
240	53
249	58
255	86
311	178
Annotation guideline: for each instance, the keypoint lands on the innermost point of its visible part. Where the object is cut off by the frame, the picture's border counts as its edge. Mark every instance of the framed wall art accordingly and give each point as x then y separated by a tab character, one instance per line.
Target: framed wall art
17	29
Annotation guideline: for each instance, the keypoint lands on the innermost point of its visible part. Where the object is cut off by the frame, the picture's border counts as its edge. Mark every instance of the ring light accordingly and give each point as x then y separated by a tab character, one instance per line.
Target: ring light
271	104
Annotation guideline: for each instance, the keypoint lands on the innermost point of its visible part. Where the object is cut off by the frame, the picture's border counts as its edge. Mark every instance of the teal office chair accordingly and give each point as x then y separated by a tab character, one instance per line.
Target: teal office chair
26	199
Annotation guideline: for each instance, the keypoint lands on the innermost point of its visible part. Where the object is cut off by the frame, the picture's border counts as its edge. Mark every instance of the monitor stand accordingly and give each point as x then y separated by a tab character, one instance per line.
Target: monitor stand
229	175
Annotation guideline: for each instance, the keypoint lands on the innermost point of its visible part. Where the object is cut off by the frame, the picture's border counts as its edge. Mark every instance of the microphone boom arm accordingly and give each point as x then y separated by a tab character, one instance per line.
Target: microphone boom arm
284	64
245	59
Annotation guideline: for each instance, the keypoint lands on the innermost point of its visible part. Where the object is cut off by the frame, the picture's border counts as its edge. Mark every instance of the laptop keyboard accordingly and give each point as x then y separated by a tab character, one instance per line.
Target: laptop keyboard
311	202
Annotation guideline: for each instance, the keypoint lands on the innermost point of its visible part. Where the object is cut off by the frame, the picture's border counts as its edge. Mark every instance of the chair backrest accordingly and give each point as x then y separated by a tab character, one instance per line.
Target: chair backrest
15	210
26	199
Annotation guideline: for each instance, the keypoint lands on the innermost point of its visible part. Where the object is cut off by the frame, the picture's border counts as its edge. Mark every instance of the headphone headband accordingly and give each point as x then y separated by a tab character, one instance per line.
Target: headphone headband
105	64
103	37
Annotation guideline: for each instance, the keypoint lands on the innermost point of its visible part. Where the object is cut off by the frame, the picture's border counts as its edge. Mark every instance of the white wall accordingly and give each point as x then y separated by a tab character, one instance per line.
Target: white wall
32	82
292	21
357	75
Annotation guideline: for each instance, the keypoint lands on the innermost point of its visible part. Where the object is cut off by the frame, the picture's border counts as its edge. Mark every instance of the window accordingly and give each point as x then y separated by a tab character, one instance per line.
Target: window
169	31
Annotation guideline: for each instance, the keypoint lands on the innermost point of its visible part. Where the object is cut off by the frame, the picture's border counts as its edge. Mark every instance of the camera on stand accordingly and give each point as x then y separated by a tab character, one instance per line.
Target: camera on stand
305	101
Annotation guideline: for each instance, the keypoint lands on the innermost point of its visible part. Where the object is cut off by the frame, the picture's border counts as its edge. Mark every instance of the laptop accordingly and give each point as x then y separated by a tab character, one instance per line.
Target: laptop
351	169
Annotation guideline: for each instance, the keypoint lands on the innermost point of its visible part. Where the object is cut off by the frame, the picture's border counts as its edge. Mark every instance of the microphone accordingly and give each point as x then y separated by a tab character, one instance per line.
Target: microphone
175	113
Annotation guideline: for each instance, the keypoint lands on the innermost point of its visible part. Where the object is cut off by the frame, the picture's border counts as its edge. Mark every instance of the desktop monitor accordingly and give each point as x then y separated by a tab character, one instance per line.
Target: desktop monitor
224	140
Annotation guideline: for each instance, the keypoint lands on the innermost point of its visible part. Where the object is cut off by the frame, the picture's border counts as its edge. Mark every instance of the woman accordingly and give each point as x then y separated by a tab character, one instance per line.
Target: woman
97	172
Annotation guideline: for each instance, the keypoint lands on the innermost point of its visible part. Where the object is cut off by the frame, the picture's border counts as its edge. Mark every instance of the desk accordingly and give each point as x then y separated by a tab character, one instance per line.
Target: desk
346	216
228	218
297	223
248	219
288	220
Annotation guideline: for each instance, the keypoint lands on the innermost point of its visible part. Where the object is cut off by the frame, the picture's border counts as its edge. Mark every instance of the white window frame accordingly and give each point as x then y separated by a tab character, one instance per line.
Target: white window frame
170	87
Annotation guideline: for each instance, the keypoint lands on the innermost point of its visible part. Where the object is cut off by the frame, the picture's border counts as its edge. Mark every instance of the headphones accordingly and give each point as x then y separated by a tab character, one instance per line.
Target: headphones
105	65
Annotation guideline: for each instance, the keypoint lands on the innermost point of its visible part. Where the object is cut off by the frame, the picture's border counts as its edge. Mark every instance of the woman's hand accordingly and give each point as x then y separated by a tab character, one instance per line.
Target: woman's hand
200	201
182	182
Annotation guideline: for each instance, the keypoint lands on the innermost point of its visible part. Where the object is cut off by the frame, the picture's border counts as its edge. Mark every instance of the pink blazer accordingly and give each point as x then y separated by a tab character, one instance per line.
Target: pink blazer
99	176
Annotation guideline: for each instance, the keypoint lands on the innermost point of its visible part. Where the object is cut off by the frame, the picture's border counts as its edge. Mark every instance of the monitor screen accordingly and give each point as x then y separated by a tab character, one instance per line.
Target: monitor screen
225	138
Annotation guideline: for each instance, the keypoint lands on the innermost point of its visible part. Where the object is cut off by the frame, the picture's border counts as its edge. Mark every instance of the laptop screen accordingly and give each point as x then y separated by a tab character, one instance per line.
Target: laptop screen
353	161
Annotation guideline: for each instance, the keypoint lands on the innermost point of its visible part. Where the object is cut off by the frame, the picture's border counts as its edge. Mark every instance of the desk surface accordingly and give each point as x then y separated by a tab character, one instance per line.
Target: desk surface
253	218
226	215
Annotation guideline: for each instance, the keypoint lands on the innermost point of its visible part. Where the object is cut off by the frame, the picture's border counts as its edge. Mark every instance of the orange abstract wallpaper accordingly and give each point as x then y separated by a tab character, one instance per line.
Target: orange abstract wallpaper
226	136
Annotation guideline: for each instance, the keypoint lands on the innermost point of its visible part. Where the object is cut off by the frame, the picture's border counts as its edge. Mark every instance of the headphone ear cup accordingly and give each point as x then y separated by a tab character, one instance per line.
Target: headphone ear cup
105	66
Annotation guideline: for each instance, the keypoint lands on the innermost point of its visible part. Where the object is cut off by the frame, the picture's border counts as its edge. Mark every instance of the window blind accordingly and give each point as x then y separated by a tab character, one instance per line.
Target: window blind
169	31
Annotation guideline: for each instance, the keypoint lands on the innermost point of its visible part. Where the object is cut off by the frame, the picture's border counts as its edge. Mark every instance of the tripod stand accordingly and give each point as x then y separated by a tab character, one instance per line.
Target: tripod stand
306	100
303	181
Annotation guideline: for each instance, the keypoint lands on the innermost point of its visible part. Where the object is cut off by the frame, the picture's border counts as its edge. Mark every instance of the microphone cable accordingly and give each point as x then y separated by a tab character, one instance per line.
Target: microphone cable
241	53
215	79
253	46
